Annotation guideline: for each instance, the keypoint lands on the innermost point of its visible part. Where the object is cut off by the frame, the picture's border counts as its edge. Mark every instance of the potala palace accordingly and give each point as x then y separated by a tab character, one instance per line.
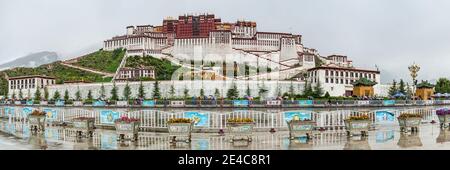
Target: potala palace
206	38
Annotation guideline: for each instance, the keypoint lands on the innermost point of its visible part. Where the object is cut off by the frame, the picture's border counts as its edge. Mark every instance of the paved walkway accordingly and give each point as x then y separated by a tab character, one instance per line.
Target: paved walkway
105	74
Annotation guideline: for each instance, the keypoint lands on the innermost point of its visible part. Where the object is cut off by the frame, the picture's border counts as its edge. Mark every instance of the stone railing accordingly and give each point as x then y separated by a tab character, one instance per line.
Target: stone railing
161	103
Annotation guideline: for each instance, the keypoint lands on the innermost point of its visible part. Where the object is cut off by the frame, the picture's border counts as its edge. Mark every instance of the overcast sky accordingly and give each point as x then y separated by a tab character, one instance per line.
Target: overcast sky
387	33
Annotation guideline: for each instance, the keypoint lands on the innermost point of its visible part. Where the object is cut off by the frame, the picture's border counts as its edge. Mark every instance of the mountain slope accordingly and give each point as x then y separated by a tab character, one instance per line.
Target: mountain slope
104	61
55	69
31	60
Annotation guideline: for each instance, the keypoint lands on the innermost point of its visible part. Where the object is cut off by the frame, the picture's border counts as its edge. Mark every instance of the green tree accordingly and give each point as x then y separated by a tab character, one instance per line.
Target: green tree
248	91
393	89
37	95
56	95
141	91
46	95
401	87
442	85
291	91
233	92
89	96
186	93
66	95
29	94
279	92
318	90
327	95
20	94
102	92
156	93
307	90
13	96
217	93
126	92
114	95
202	92
262	91
78	94
172	92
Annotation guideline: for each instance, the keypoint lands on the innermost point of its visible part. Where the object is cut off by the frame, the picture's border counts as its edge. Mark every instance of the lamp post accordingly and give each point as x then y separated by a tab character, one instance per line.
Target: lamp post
413	69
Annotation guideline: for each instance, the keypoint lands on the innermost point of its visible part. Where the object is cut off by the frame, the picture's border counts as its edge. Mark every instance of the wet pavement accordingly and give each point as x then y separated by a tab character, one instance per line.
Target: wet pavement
16	136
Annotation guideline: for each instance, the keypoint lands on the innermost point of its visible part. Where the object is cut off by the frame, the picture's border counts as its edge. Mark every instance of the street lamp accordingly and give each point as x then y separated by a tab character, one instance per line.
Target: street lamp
413	69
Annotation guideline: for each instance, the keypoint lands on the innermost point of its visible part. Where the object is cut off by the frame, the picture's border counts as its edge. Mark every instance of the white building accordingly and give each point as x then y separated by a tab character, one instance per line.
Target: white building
28	84
132	74
238	40
337	81
339	60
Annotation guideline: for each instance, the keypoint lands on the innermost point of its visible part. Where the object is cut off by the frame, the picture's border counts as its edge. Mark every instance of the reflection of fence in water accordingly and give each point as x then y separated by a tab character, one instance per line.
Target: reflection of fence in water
267	141
329	138
156	142
217	119
260	141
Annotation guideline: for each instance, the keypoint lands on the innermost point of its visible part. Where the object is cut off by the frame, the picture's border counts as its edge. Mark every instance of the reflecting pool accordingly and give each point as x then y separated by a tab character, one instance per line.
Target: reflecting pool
385	134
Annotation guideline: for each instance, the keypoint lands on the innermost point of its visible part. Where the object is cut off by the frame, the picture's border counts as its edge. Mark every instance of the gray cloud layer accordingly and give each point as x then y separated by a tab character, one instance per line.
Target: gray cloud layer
390	34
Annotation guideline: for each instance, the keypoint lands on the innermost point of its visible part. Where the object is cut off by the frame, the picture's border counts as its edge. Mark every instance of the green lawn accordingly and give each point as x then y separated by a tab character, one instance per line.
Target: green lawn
106	61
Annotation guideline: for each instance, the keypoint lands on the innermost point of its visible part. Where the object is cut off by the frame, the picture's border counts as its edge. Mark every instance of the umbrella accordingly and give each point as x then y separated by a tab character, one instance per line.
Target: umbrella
438	95
399	94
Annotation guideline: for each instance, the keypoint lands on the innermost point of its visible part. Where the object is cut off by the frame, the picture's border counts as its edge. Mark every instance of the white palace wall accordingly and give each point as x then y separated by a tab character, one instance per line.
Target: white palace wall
219	53
194	88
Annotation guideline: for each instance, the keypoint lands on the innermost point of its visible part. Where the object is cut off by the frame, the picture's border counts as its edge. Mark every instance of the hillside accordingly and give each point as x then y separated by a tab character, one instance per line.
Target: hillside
31	60
55	69
105	61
